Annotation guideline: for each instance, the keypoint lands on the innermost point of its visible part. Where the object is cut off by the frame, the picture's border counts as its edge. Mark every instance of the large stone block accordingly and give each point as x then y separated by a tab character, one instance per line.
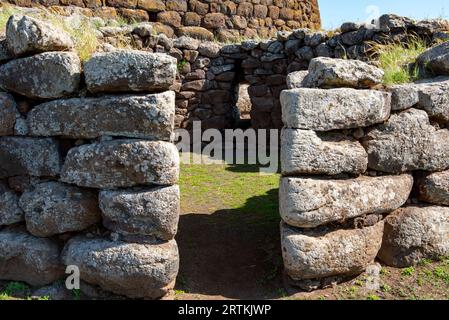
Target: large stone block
148	212
335	73
27	35
434	188
8	114
29	156
130	269
129	70
415	233
326	110
122	163
407	142
311	202
10	211
48	75
24	257
54	208
434	98
135	116
319	253
436	59
310	152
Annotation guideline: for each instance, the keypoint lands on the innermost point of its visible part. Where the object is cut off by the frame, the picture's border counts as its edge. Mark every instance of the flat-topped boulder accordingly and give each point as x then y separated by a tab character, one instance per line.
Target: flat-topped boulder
434	188
407	142
311	202
53	208
129	70
30	259
48	75
37	157
148	212
436	59
337	73
320	253
415	233
333	109
8	114
136	116
27	35
129	269
434	98
403	96
122	163
310	152
295	79
10	211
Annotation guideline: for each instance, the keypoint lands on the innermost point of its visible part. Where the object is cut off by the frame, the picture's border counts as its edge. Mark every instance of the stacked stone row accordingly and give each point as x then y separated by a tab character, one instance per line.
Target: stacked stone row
347	163
88	175
205	19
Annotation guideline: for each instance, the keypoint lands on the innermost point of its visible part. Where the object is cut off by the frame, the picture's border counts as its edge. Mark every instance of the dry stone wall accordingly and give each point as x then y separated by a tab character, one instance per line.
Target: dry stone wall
363	172
88	170
207	19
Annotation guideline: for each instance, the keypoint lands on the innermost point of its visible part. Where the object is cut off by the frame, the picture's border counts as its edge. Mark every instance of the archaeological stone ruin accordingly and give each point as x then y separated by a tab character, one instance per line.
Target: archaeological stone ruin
89	169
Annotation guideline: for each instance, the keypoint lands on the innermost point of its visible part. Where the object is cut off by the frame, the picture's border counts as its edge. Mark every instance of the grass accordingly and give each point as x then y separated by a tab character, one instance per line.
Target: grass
395	60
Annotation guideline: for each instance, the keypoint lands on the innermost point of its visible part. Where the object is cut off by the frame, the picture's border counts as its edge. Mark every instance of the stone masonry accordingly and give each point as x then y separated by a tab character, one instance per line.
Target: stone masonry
88	172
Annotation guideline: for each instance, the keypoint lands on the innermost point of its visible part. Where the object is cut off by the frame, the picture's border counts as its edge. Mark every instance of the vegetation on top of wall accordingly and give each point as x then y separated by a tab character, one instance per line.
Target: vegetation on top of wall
397	60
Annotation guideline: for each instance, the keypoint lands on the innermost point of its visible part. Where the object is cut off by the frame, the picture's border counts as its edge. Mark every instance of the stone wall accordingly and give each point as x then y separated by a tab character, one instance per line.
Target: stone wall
363	170
88	170
224	20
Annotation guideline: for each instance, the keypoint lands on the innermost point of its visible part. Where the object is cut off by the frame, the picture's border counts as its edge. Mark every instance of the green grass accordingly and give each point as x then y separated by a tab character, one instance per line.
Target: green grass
395	60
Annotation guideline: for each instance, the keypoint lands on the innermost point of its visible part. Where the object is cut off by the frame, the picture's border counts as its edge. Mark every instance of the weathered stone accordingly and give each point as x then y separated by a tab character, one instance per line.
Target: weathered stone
319	253
129	70
53	208
407	142
136	116
24	257
176	5
196	33
403	97
309	152
434	188
192	19
171	18
415	233
8	114
29	156
48	75
122	163
332	73
186	42
436	59
434	98
151	5
295	79
311	202
130	269
144	29
209	49
393	22
325	110
26	35
10	211
148	212
214	20
5	54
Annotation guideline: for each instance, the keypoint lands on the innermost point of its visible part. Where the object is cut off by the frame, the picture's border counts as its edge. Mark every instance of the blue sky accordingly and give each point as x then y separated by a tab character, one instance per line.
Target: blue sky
335	12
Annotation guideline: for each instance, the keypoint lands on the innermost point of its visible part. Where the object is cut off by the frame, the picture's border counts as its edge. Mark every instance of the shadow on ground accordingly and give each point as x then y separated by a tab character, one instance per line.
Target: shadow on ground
231	253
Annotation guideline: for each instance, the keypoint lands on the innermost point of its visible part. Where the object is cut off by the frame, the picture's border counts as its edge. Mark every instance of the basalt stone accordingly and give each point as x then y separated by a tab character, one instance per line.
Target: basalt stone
29	156
311	202
415	233
403	96
148	212
26	35
434	188
129	70
5	54
436	59
322	252
325	110
310	152
8	114
24	257
407	142
10	211
48	75
53	208
122	163
137	116
334	73
129	269
434	98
